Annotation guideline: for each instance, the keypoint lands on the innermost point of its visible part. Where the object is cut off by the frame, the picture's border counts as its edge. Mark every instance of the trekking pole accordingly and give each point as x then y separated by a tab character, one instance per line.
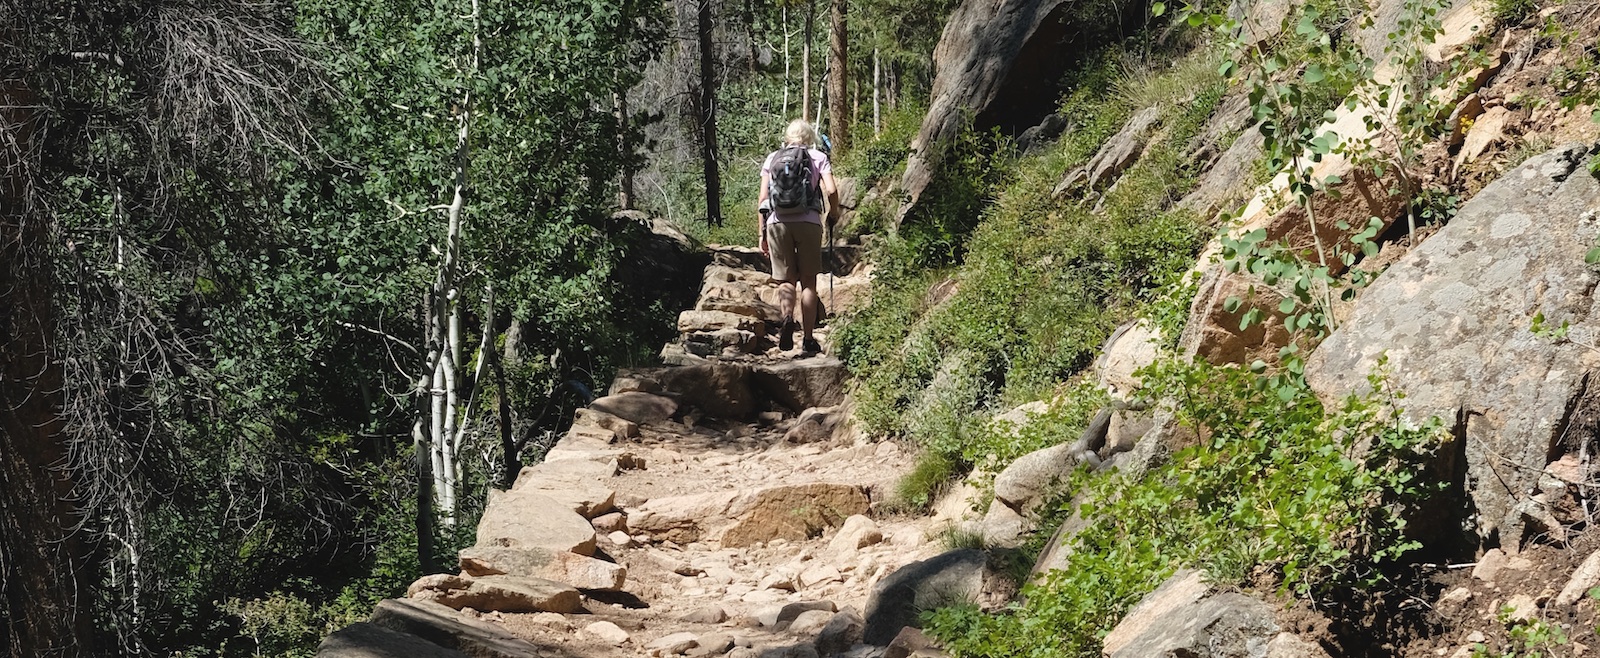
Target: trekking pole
833	269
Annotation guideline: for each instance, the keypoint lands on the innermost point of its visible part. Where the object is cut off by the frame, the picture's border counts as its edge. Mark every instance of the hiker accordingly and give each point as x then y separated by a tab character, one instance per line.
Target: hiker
794	181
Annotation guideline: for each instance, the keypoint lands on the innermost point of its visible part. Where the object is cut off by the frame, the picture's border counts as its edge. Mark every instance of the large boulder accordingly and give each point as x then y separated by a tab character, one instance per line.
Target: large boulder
445	627
581	484
1024	484
1452	319
1132	346
580	571
997	62
1115	156
743	518
641	408
497	593
528	519
1185	617
898	600
722	390
369	640
800	384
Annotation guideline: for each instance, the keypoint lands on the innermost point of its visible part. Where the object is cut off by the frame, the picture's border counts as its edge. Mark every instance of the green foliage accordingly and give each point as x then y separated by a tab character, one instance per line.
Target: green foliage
1527	637
1513	12
919	488
1276	486
884	155
968	172
1043	280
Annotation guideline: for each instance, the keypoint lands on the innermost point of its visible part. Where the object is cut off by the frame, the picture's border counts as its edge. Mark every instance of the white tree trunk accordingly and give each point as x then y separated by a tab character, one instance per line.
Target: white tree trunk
785	62
444	444
877	113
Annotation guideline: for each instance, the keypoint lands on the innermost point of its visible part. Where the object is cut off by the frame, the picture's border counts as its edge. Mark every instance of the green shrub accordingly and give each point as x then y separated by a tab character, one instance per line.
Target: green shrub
1274	487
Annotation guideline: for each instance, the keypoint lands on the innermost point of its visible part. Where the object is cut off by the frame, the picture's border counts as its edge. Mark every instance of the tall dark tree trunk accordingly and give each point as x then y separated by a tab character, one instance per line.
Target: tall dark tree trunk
839	78
805	62
707	115
750	34
45	599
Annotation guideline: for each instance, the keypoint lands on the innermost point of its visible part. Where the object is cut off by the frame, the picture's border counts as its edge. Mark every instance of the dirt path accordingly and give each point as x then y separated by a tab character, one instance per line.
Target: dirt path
731	484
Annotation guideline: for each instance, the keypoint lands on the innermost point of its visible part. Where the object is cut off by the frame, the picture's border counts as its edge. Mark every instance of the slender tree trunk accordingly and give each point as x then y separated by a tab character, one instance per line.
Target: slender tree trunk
877	112
805	62
625	148
511	462
750	34
44	577
445	311
839	77
708	114
786	73
422	432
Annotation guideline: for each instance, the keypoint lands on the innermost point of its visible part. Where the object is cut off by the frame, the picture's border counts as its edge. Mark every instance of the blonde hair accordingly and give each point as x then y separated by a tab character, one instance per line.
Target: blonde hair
800	132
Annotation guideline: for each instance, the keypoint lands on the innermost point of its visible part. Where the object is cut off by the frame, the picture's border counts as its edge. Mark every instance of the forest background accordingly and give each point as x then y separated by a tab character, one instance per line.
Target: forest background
286	286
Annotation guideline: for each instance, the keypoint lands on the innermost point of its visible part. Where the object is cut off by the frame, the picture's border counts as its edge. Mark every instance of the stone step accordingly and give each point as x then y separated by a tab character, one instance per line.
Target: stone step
746	517
736	391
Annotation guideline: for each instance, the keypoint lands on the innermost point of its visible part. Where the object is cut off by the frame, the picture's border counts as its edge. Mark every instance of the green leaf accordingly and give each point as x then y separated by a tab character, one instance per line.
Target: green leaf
1314	74
1231	305
1593	256
1286	306
1158	8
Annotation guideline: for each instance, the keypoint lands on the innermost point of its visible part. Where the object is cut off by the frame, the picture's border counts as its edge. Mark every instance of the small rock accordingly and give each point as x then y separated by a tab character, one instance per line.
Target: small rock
1489	565
713	615
686	569
673	644
620	538
1476	637
1523	607
779	579
1457	595
858	532
1587	575
771	617
608	632
809	622
842	631
608	523
711	644
819	574
908	641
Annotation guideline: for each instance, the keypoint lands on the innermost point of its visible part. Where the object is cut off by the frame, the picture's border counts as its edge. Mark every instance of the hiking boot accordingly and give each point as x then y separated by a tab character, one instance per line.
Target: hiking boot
811	346
786	335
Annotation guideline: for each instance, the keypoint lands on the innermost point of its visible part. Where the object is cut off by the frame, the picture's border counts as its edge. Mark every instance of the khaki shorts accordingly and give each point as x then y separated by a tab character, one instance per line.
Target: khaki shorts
796	250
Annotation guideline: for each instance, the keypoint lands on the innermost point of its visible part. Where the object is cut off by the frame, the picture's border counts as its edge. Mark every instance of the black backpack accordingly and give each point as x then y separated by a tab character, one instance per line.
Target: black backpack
791	190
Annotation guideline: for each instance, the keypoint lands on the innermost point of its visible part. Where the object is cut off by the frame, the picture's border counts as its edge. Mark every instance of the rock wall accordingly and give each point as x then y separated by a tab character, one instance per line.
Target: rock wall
1451	325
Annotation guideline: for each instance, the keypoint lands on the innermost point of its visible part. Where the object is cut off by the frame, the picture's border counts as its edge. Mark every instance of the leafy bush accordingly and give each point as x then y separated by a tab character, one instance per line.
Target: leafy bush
1277	485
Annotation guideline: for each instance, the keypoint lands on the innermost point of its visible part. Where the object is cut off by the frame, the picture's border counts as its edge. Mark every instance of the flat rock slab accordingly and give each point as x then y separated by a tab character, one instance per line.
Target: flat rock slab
743	518
576	570
641	408
800	384
368	640
498	593
450	629
581	484
722	390
1452	319
529	519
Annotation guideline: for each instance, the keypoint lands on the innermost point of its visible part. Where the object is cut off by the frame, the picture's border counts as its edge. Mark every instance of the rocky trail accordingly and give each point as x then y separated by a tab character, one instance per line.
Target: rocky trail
720	504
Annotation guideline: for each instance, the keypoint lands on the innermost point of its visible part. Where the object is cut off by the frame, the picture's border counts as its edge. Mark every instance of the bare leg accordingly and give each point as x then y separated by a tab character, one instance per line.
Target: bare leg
786	300
808	305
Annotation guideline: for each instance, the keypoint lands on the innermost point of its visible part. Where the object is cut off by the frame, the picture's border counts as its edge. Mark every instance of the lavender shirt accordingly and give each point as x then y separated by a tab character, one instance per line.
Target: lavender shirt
819	166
